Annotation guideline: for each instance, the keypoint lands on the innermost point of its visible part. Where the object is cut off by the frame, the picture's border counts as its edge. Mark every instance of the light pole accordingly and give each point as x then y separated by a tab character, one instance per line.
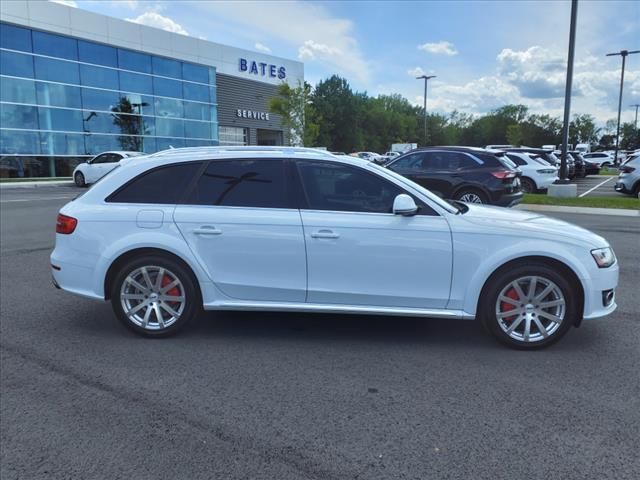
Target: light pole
426	79
623	54
567	92
635	124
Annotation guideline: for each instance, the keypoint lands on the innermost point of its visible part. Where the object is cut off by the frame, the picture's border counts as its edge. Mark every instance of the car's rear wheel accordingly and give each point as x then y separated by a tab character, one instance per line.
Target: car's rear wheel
154	296
529	306
528	185
79	180
471	196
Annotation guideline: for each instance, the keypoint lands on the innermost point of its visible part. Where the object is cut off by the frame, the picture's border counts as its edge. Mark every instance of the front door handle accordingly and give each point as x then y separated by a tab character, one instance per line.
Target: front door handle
325	234
207	230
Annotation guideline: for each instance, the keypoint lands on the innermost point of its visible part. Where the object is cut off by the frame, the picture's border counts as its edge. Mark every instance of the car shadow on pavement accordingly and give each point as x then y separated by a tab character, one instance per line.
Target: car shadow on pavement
333	328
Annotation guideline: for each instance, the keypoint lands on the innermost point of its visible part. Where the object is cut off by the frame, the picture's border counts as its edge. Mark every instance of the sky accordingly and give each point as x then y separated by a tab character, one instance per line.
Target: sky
484	54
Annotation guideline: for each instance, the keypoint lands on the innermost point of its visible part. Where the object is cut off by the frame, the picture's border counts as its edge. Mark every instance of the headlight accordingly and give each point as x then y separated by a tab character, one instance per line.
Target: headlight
604	257
547	170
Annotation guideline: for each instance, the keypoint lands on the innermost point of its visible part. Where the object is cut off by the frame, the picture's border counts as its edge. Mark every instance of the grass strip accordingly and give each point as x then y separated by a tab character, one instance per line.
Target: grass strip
622	201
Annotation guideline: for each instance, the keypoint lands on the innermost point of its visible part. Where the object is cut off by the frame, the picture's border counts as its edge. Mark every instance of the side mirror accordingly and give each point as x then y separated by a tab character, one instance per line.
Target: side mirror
403	204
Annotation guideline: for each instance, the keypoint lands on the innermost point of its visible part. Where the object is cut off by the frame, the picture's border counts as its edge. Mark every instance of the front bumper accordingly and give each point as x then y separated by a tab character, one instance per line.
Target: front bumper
602	280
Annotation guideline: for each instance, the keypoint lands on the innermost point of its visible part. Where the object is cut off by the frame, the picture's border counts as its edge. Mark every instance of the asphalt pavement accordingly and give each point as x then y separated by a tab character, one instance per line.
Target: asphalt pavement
300	396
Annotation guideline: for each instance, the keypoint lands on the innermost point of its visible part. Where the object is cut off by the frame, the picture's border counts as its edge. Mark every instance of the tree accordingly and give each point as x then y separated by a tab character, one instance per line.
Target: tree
582	129
130	123
299	117
514	134
630	137
335	103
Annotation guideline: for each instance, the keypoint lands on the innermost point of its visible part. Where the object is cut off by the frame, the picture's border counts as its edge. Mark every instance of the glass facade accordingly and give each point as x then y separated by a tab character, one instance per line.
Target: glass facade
63	99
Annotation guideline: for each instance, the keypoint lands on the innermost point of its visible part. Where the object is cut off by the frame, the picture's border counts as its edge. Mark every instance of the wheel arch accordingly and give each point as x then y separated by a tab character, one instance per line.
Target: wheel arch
570	273
115	266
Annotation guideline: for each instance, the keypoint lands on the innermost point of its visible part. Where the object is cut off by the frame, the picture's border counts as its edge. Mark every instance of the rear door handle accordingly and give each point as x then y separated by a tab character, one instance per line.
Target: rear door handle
325	234
207	230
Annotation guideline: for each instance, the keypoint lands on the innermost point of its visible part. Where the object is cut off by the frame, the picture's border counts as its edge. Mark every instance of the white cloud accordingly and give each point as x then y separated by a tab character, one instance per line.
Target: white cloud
261	47
318	35
439	48
311	50
534	77
154	19
68	3
416	72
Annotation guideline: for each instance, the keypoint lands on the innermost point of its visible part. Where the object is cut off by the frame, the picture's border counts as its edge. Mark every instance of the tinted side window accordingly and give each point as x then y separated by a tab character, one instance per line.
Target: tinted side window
442	161
409	163
164	185
100	159
517	160
329	186
242	183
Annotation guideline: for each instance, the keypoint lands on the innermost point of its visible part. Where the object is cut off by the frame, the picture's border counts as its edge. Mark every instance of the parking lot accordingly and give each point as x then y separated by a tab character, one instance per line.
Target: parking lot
279	396
597	186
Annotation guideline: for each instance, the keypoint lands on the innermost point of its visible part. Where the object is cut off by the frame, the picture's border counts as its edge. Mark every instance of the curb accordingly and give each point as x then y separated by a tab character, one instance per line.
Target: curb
36	184
619	212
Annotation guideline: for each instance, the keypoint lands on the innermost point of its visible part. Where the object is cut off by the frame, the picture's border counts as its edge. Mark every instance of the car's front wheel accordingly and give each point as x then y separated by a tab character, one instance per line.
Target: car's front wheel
154	296
79	180
528	306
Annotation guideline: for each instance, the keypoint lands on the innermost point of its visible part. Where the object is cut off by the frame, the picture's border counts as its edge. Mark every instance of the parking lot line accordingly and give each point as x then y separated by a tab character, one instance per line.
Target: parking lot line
592	189
37	199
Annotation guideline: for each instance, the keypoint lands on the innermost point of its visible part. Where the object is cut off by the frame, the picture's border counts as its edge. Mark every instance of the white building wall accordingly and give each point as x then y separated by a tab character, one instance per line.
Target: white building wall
80	23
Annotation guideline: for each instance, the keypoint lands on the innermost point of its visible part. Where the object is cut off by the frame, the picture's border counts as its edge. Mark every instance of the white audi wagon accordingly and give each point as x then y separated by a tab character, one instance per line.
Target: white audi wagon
292	229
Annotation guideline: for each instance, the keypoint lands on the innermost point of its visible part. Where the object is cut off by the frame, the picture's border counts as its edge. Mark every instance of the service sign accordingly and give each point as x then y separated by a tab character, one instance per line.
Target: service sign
262	69
241	113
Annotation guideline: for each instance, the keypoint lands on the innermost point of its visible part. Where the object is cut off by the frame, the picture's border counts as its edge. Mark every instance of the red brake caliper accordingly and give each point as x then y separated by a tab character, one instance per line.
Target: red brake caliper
505	306
174	292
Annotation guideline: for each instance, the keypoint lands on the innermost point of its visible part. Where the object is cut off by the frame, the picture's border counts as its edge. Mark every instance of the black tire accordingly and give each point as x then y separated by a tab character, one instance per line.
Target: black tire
636	190
488	306
78	178
477	195
187	288
528	185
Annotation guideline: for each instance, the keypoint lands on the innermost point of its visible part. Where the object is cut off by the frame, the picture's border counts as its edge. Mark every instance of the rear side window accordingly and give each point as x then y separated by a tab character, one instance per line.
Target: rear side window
242	183
517	160
163	185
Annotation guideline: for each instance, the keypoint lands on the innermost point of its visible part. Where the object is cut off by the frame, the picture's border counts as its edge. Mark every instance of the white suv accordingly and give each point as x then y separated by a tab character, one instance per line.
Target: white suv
255	228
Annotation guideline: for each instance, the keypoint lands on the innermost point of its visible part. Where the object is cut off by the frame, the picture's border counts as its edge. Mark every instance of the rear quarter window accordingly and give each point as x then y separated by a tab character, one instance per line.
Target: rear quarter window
161	185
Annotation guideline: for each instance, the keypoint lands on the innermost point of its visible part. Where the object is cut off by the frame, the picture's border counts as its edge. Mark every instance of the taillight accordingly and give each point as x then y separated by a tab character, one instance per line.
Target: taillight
503	174
65	224
627	169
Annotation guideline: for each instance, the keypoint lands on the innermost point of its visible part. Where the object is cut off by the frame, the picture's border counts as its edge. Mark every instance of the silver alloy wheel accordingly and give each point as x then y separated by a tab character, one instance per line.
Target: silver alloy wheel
152	297
530	309
471	198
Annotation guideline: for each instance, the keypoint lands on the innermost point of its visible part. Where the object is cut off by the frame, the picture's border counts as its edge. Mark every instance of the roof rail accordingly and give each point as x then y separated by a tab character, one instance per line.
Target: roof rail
231	148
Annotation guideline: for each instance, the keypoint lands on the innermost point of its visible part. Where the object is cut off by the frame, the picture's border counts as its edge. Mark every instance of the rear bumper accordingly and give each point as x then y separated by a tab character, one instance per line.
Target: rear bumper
508	199
544	183
72	277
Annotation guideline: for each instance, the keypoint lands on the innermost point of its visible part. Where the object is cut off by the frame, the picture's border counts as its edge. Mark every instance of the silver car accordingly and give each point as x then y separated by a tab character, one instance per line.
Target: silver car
629	177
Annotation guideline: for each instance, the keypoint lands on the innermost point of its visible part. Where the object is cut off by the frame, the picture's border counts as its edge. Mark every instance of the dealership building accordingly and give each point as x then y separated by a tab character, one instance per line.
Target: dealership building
75	83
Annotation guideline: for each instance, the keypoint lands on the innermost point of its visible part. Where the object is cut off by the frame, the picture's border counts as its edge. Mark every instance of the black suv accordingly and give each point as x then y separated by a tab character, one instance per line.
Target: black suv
468	174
